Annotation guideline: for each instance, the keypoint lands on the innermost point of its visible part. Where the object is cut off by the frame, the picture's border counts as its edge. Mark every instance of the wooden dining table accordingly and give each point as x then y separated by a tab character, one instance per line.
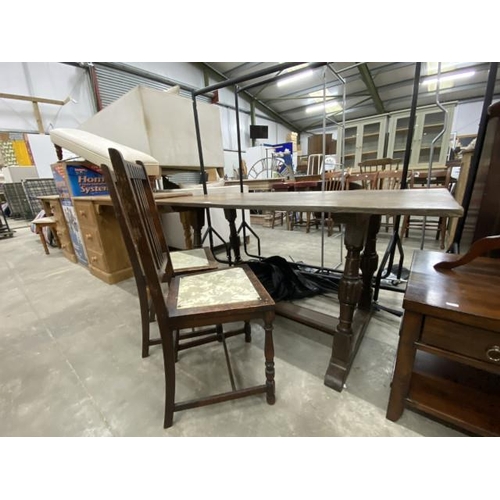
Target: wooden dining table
361	212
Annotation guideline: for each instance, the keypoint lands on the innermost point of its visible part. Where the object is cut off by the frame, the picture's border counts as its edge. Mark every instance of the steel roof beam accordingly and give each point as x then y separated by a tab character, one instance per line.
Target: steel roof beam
283	75
264	106
367	78
243	78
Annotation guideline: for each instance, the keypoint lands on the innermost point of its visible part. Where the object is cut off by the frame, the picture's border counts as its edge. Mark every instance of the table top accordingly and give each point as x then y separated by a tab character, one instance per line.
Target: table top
272	180
471	289
106	199
431	202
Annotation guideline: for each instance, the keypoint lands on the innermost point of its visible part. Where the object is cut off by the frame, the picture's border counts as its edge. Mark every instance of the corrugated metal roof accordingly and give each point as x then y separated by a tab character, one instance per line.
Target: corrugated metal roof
371	88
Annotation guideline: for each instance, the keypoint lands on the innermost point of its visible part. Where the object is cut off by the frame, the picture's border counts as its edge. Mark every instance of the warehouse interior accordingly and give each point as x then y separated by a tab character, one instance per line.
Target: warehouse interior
70	334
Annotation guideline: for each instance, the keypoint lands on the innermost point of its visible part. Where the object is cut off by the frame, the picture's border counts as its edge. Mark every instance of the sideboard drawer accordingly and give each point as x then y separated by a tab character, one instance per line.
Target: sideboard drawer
92	239
85	213
97	259
483	345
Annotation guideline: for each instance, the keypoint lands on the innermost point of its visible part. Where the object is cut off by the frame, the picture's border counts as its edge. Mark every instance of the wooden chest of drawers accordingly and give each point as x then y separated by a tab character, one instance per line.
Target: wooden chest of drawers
106	252
448	359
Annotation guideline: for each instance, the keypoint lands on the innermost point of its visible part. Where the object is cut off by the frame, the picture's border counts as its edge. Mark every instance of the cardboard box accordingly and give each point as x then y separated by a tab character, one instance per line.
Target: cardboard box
315	145
77	178
86	180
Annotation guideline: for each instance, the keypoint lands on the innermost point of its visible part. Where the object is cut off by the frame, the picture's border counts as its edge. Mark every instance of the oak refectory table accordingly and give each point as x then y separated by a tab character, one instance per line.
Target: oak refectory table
360	211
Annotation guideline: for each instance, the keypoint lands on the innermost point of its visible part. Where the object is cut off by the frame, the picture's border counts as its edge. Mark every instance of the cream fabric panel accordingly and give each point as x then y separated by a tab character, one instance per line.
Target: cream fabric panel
122	121
172	133
162	125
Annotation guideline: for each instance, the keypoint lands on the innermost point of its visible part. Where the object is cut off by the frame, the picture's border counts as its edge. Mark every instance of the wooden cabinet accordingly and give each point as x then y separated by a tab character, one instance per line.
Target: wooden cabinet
428	124
315	145
458	194
107	256
363	140
483	214
366	139
448	358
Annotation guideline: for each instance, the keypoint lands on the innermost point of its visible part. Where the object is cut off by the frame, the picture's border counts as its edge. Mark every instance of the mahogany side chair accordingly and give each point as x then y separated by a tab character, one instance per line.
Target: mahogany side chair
181	262
213	297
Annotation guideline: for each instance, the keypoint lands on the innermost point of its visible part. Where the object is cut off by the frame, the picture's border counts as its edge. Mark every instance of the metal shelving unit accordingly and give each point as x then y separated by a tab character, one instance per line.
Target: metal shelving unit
18	201
5	231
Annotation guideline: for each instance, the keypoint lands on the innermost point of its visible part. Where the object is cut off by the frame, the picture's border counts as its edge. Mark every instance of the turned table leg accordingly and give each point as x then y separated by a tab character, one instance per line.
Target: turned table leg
230	214
369	262
185	218
350	290
195	219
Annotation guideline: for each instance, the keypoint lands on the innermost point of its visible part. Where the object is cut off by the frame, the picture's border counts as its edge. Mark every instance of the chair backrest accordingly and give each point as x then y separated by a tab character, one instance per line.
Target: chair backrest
365	181
378	164
439	178
315	164
138	206
110	179
282	186
389	179
335	180
132	191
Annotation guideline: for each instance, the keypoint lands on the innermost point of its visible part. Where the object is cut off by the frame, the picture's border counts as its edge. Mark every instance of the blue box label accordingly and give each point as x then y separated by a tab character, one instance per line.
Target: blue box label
85	181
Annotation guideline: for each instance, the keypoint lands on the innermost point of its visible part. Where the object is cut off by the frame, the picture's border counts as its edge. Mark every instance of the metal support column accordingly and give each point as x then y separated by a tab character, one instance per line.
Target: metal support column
395	241
476	156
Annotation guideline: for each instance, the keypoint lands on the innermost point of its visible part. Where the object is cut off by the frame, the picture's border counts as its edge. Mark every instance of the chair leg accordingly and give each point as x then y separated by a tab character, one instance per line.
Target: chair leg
269	356
169	369
329	224
145	308
442	226
220	332
405	227
248	331
56	236
39	230
176	348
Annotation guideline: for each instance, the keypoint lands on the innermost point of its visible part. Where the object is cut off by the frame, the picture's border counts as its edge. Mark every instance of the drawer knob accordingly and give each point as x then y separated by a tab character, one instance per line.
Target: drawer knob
94	259
82	213
493	354
88	236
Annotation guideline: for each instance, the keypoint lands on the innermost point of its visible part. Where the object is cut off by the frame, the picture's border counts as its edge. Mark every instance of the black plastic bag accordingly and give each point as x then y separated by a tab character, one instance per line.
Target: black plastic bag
286	281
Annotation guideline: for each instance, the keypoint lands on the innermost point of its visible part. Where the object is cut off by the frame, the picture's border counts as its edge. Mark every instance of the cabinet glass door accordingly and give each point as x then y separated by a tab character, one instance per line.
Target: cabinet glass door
400	137
370	144
432	126
351	134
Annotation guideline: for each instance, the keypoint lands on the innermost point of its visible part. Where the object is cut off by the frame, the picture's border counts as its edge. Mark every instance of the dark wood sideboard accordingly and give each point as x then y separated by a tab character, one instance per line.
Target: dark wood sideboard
483	214
448	358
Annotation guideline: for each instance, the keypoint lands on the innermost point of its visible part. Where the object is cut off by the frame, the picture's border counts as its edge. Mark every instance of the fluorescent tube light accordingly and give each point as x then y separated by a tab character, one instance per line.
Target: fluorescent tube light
294	78
330	107
458	76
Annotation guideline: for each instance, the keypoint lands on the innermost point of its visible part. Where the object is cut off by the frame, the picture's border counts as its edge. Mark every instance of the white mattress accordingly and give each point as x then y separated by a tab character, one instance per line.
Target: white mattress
94	149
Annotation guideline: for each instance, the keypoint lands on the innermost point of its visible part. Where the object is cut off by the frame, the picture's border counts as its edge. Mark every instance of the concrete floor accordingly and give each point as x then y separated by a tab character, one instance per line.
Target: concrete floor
70	362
